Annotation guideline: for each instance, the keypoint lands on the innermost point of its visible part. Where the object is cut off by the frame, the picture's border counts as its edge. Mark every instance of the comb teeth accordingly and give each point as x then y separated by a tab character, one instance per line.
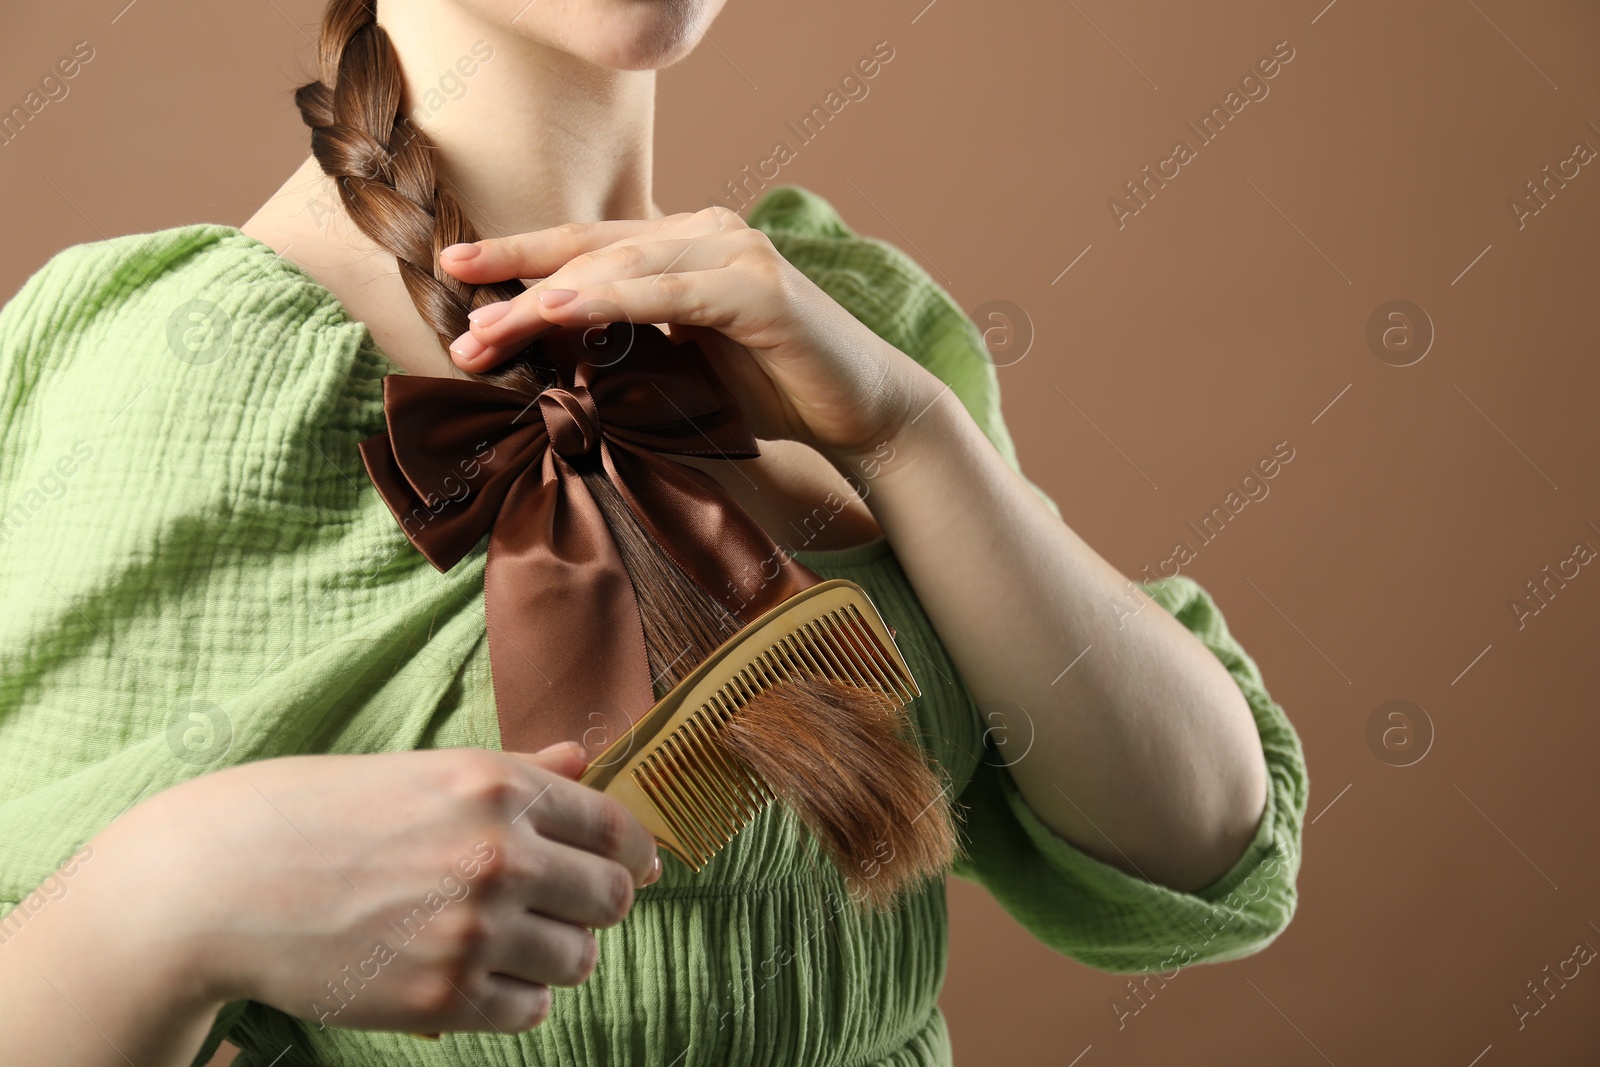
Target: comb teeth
672	770
705	795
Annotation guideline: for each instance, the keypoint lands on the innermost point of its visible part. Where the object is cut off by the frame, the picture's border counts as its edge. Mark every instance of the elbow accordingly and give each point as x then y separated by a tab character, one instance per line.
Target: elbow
1226	804
1240	808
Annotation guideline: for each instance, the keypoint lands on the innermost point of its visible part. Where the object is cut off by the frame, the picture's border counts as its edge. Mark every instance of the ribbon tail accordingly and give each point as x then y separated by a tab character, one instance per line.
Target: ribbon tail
566	642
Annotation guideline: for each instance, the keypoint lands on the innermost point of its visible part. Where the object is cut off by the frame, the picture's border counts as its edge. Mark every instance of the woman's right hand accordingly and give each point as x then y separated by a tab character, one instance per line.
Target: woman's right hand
414	891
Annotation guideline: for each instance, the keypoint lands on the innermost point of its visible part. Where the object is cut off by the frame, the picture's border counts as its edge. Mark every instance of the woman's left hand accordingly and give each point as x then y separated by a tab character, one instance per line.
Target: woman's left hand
802	367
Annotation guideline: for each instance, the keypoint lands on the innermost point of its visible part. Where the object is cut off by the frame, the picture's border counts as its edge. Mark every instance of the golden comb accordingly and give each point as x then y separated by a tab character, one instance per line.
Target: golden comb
670	770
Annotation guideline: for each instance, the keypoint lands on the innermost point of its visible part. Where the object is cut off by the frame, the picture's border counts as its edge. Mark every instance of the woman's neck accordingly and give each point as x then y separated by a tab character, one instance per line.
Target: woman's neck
527	136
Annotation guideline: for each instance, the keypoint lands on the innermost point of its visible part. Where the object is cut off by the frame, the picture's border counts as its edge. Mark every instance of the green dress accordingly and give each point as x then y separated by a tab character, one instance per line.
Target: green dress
196	573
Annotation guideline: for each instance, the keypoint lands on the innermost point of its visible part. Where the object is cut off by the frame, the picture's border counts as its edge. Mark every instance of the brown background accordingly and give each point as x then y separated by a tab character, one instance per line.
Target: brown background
1225	317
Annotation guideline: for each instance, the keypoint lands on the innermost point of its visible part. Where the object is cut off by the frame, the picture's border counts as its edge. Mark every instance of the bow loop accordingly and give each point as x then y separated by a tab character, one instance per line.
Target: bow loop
464	458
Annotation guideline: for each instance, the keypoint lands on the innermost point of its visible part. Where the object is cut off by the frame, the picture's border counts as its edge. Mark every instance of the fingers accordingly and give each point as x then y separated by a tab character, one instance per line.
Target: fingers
540	950
505	327
506	985
723	300
574	886
562	810
490	1002
576	259
739	302
539	253
568	759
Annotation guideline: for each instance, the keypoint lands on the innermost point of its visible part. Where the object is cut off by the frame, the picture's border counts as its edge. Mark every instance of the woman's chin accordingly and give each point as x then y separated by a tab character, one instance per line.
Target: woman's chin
650	34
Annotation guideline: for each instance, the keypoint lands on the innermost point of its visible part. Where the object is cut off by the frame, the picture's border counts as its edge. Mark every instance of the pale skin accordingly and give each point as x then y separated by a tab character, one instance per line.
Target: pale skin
1143	754
266	880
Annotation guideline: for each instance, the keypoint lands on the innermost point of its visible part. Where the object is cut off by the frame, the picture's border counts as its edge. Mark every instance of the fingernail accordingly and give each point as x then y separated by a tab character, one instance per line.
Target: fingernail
564	747
554	297
655	870
461	251
489	314
467	347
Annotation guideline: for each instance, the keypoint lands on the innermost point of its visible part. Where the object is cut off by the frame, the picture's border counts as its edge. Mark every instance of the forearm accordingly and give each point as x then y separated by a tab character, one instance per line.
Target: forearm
87	979
1144	752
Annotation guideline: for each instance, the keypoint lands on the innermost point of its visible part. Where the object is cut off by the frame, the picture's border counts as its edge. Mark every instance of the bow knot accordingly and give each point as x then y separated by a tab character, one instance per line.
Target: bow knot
571	421
461	458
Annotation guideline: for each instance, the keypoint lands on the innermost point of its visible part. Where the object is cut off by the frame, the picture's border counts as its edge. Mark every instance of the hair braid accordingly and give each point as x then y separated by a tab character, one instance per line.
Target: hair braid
383	165
834	752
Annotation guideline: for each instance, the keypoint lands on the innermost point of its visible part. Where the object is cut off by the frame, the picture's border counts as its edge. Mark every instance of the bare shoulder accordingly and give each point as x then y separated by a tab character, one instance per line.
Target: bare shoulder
305	224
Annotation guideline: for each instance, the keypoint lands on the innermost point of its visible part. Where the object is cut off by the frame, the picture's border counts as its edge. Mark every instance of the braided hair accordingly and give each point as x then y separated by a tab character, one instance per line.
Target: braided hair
834	752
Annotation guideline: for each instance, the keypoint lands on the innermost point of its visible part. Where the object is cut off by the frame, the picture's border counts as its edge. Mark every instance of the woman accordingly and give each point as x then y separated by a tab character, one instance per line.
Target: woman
233	693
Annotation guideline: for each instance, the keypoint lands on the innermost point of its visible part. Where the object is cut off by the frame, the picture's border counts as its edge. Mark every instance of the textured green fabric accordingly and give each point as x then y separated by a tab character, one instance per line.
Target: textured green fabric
197	573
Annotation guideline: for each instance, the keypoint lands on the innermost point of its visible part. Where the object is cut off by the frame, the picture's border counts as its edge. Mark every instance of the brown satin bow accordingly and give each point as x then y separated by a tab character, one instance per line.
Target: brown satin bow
461	458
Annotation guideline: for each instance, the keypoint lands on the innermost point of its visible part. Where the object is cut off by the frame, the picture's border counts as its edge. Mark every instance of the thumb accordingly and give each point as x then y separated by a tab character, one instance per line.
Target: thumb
566	758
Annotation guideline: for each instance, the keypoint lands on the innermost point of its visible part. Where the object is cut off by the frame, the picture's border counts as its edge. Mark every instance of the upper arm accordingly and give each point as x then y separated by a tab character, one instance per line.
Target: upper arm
1116	921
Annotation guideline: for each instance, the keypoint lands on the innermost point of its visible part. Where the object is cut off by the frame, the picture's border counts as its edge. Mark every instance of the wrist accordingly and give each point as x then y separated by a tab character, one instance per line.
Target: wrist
151	903
910	394
95	944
